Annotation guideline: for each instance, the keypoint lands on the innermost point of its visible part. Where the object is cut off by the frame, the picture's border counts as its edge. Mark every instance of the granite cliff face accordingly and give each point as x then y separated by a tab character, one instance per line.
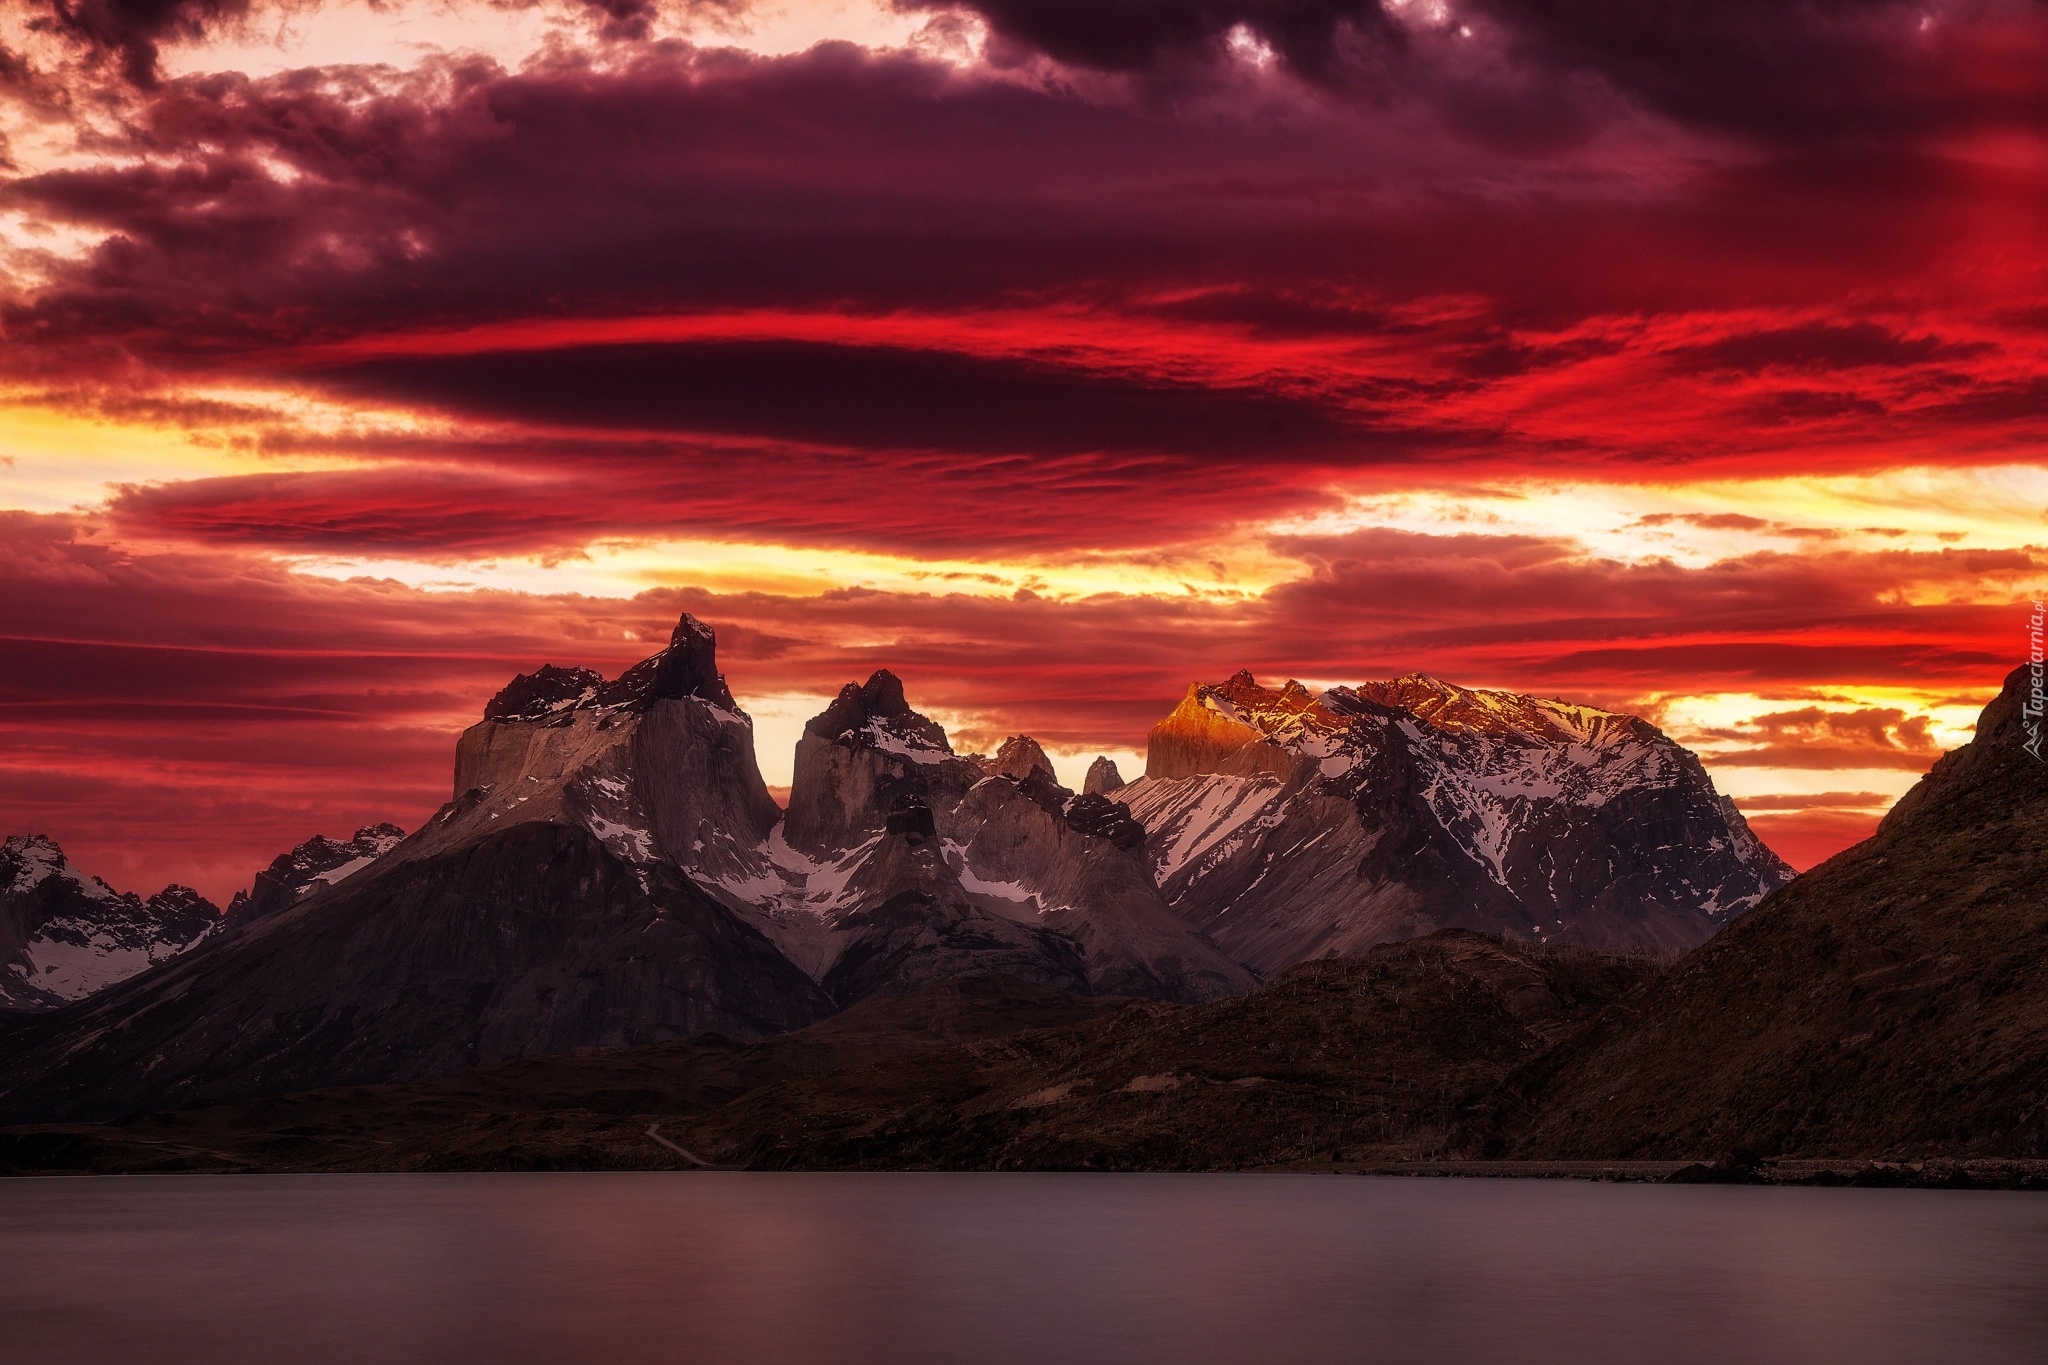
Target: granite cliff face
893	839
1294	825
658	765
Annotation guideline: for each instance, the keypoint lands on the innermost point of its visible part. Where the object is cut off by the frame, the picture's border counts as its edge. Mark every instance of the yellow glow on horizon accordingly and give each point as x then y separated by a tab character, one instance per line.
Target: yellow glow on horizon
1691	523
1950	722
627	568
55	459
1692	719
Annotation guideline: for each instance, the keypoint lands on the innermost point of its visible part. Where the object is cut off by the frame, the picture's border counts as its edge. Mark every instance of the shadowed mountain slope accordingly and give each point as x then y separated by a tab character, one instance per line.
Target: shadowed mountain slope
531	940
572	1111
1893	1000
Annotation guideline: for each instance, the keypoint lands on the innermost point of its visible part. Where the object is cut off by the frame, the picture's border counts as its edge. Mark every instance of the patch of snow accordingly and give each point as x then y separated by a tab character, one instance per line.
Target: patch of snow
723	716
1195	815
956	858
72	971
636	845
890	743
348	869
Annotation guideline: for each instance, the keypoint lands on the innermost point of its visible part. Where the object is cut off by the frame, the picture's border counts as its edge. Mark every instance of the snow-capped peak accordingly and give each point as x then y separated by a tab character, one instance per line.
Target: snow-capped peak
876	715
29	860
1543	801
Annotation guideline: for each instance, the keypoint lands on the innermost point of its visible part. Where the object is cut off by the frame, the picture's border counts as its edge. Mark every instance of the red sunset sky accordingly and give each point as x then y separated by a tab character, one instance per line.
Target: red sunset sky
1688	358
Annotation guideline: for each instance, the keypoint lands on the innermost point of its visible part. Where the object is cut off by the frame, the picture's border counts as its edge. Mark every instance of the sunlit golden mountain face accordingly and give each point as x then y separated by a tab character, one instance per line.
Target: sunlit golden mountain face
1689	359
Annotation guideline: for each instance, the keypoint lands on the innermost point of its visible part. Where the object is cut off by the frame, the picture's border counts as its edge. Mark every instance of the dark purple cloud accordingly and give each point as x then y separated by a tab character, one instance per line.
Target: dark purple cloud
867	397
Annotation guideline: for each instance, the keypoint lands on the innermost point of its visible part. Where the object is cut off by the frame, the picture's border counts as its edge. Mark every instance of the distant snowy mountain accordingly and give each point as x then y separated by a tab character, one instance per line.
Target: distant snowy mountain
1293	825
318	862
64	936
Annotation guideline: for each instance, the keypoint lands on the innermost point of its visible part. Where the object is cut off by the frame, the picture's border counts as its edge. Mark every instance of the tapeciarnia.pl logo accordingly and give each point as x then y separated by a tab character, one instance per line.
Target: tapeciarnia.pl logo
2031	712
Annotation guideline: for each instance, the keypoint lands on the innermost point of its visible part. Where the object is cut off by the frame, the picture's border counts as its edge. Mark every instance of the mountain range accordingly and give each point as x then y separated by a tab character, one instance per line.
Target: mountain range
1880	1020
611	869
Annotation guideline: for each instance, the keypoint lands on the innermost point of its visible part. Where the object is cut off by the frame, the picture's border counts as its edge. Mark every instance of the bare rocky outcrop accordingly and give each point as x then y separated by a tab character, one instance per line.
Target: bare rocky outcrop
1002	838
1021	758
658	764
1103	777
864	755
1079	864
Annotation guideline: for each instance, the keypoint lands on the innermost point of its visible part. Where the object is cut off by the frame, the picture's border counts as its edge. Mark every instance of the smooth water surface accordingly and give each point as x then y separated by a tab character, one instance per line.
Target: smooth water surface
1046	1269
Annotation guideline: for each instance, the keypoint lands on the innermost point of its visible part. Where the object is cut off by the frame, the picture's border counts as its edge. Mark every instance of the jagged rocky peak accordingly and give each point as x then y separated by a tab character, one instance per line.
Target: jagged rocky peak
1020	757
65	936
318	862
659	765
546	692
1102	778
687	668
29	860
1240	727
862	758
1446	706
1219	724
178	900
876	713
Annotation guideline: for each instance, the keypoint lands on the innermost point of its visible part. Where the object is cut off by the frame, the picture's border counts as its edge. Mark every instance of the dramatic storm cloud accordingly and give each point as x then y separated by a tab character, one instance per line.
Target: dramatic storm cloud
1687	358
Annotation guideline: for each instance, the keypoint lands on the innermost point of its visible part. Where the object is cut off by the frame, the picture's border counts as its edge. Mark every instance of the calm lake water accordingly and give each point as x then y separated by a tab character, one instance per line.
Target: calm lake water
1046	1269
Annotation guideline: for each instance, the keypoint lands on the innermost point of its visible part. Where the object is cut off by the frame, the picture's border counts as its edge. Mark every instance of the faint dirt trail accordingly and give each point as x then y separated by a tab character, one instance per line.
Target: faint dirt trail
654	1131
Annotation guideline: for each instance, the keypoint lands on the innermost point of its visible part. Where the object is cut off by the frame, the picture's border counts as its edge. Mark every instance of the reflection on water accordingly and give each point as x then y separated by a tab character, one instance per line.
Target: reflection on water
711	1267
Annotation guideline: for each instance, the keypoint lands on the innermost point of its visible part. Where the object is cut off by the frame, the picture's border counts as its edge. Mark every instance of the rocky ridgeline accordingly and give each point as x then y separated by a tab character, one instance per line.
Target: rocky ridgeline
317	863
610	869
1294	825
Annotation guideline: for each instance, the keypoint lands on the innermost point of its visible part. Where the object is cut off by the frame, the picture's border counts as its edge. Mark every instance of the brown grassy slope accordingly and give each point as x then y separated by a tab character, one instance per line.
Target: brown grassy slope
1386	1056
580	1110
1392	1055
1893	1001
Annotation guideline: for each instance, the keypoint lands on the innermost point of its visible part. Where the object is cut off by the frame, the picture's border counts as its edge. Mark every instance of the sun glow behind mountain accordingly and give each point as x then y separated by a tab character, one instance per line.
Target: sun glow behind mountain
356	357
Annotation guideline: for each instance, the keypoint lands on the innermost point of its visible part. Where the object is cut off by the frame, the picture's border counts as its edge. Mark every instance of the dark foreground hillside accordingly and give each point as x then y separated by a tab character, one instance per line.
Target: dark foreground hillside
1386	1057
1893	1001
